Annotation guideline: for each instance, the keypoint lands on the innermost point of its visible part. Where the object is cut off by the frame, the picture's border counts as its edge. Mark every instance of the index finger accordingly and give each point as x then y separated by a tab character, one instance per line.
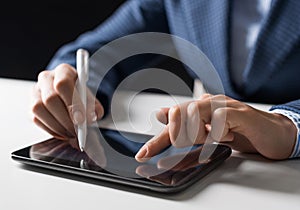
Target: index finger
64	82
154	146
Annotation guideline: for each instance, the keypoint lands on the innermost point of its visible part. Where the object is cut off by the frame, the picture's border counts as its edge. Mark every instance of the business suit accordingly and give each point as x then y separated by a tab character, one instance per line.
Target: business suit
271	74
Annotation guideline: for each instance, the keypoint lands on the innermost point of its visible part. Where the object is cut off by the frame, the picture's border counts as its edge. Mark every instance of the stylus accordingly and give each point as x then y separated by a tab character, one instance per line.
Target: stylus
82	59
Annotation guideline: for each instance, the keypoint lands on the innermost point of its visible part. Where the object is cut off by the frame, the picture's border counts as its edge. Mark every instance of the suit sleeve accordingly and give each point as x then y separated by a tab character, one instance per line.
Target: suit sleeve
293	106
133	16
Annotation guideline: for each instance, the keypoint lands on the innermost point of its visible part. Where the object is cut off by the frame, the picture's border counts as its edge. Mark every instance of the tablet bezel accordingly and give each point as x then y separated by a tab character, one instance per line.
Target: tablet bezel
146	184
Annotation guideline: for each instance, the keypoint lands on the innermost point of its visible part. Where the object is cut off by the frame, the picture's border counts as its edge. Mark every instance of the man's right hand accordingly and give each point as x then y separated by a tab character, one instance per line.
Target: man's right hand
56	103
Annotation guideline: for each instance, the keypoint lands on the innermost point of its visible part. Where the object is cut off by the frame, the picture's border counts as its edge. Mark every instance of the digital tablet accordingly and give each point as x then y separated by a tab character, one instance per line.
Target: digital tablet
109	156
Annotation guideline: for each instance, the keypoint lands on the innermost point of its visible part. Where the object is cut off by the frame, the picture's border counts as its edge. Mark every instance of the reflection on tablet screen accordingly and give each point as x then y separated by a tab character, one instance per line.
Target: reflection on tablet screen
112	152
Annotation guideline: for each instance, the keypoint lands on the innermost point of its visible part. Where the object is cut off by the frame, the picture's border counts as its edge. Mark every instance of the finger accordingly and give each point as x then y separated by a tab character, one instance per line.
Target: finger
45	128
65	77
199	116
203	108
177	125
64	84
187	121
205	96
95	109
187	126
248	134
224	121
196	127
44	119
162	115
154	146
229	137
53	102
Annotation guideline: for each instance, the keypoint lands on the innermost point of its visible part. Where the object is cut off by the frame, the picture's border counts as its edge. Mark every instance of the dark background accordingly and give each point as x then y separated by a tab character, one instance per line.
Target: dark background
31	32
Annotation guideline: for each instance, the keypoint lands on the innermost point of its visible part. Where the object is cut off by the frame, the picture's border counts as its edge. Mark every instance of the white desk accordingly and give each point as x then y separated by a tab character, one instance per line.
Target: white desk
242	182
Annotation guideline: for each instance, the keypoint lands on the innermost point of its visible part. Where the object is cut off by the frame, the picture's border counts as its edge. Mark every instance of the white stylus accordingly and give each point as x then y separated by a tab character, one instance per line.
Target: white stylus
82	60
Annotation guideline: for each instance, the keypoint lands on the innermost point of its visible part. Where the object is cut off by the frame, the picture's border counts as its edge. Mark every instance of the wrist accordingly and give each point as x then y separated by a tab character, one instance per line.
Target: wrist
289	122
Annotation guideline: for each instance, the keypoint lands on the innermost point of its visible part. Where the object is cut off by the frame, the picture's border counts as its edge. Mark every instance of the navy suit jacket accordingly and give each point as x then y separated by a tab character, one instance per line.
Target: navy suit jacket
271	74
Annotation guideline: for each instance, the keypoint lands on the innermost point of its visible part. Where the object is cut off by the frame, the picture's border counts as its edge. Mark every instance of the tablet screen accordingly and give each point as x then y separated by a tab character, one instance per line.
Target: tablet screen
111	153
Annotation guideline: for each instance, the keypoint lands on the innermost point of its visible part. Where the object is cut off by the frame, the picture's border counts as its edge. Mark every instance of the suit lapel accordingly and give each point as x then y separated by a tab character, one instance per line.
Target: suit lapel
208	24
279	35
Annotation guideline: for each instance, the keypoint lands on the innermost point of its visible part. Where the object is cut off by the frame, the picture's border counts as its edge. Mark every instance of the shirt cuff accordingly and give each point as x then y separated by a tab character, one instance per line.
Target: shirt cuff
295	118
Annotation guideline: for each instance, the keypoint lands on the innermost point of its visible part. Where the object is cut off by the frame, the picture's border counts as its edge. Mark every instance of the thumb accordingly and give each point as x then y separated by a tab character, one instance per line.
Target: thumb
223	122
94	110
76	109
162	115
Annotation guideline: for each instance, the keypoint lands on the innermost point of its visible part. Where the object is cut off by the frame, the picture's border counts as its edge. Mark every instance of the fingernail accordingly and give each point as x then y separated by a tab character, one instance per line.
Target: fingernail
161	117
78	117
94	117
141	156
208	127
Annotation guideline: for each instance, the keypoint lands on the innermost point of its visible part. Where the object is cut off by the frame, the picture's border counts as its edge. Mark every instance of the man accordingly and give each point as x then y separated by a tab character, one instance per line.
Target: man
254	46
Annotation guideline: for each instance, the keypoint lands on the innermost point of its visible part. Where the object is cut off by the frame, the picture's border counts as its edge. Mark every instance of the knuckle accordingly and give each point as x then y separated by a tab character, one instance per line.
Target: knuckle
219	122
193	109
37	107
206	96
50	98
63	84
43	75
221	113
175	114
220	95
243	109
35	120
221	98
63	67
234	103
174	110
66	69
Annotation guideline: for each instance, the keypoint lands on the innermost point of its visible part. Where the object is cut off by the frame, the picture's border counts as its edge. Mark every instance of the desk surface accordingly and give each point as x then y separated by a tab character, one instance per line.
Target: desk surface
242	182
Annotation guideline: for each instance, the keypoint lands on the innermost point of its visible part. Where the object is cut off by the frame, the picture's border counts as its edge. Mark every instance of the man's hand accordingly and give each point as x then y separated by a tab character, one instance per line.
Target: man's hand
56	103
223	120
